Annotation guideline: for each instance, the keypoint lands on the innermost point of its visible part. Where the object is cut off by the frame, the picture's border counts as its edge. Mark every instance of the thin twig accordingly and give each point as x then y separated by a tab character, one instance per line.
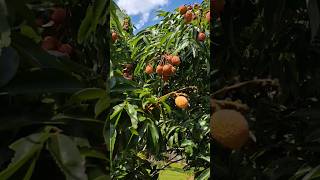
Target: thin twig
245	83
227	104
179	90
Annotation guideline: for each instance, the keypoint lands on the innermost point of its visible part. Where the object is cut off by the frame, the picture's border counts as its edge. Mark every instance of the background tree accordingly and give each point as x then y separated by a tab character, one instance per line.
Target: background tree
53	68
269	40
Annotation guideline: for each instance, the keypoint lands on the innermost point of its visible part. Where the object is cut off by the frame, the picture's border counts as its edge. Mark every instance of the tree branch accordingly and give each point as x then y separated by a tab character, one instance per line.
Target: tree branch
262	82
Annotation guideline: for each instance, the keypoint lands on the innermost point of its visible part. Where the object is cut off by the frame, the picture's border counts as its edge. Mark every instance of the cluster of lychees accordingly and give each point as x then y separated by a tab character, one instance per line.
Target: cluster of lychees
187	11
166	67
48	43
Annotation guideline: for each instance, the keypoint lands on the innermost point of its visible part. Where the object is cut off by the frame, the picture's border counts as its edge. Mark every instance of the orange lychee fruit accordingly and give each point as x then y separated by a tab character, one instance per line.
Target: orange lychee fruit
188	16
208	17
149	69
182	9
181	102
114	36
229	128
159	69
175	60
201	36
167	70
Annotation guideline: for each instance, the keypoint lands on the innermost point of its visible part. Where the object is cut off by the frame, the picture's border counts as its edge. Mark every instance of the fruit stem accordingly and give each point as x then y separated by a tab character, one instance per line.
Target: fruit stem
175	92
226	104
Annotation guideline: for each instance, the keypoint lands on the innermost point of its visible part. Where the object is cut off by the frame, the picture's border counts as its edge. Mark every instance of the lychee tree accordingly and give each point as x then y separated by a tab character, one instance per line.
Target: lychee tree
160	91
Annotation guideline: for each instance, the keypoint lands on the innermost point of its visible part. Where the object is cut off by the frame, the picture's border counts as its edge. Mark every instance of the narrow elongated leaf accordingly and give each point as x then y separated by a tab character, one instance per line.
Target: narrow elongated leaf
89	94
9	63
91	20
132	112
43	81
67	157
313	174
205	175
25	149
101	105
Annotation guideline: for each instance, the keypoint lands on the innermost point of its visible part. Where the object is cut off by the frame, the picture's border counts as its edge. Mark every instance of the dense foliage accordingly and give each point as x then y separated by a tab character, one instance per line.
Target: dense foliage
83	97
148	131
266	56
53	89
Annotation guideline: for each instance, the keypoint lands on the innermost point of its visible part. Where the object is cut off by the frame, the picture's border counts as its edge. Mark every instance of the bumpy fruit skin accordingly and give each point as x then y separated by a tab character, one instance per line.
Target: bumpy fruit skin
188	16
208	17
169	58
58	16
201	36
114	36
229	128
159	70
175	60
181	102
182	9
173	69
167	70
49	43
149	69
66	49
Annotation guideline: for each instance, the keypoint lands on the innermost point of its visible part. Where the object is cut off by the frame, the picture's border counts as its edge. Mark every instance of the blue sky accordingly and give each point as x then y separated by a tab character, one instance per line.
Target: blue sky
143	12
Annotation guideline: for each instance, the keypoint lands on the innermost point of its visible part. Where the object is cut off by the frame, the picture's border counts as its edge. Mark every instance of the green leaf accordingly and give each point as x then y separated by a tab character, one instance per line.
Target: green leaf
9	63
173	174
89	23
313	174
88	94
31	168
117	109
113	139
25	149
87	152
67	157
205	175
153	137
166	106
43	81
30	33
62	117
102	105
132	112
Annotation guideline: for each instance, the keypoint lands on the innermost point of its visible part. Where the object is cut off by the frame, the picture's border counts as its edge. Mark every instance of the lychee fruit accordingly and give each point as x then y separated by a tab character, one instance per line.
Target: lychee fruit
182	9
175	60
181	102
149	69
49	43
58	16
201	36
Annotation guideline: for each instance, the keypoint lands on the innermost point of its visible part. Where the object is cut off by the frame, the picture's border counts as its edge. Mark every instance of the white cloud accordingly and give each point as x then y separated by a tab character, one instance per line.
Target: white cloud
143	20
141	8
155	18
